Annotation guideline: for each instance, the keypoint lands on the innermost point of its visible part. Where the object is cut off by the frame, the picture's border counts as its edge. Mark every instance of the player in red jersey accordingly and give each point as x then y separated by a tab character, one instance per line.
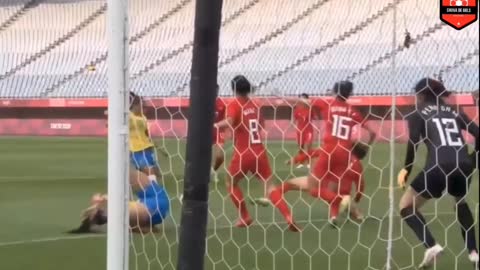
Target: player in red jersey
249	153
218	138
334	158
303	115
352	178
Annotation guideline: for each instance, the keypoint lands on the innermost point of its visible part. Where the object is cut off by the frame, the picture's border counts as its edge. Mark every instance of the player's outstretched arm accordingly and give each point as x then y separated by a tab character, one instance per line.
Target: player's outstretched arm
225	123
362	122
415	125
471	127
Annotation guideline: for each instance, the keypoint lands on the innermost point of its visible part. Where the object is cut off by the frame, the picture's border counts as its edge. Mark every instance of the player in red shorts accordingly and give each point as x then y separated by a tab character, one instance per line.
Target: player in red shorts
303	115
218	138
333	158
353	177
249	153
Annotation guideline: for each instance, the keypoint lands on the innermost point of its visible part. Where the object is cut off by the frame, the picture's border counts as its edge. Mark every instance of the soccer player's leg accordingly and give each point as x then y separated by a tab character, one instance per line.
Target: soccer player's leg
277	198
151	209
344	188
327	171
154	199
328	190
262	170
218	156
426	185
304	140
354	175
152	206
307	147
146	161
236	172
458	185
292	160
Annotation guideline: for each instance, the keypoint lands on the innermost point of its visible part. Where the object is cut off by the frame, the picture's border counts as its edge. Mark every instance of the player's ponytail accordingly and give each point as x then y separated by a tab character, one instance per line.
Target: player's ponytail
304	96
241	85
134	99
433	90
343	89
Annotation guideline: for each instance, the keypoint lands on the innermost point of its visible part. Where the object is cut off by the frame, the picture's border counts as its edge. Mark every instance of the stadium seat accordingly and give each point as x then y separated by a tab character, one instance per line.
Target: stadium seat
48	51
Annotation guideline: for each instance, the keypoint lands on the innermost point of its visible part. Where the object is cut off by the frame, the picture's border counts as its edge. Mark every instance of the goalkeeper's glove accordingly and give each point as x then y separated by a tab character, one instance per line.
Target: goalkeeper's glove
402	178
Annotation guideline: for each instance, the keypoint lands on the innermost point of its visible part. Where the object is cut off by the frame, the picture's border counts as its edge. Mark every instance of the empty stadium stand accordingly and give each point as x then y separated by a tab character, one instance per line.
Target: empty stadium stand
58	48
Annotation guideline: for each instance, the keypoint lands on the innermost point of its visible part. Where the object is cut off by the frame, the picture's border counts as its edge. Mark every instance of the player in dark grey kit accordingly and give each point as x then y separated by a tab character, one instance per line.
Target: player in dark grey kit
449	166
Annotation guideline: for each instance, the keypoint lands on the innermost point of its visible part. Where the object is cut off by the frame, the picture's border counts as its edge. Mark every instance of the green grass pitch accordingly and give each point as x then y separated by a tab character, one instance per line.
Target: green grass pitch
45	182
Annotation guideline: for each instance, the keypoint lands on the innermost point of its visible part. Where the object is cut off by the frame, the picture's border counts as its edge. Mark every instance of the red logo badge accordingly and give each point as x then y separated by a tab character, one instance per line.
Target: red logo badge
458	13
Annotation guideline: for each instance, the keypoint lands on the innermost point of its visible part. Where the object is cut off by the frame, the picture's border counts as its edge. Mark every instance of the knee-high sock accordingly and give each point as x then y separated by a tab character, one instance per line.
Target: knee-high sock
465	218
300	158
276	196
303	156
331	197
417	223
236	195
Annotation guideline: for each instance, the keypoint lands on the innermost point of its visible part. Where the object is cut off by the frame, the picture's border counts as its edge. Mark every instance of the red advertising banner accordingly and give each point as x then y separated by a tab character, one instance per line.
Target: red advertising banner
275	129
463	99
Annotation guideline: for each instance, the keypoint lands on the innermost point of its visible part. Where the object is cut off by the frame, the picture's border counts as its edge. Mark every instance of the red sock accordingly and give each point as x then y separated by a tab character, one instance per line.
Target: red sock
335	207
285	187
331	197
327	195
237	198
276	196
300	158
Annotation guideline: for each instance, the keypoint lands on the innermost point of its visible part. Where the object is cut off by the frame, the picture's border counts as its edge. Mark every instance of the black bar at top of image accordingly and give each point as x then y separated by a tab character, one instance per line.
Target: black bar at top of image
194	217
459	10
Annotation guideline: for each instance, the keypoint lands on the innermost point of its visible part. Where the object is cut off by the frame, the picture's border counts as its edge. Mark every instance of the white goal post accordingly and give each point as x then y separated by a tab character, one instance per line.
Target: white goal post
118	106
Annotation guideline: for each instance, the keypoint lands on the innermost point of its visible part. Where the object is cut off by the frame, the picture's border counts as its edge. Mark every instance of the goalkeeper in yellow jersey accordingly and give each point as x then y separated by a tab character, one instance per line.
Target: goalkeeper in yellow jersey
142	151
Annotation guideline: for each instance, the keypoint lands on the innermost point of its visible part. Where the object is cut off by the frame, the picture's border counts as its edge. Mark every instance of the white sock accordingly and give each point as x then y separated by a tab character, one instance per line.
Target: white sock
152	178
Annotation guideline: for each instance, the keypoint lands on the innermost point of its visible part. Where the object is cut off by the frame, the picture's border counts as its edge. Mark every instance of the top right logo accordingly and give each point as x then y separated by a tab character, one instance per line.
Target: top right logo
458	13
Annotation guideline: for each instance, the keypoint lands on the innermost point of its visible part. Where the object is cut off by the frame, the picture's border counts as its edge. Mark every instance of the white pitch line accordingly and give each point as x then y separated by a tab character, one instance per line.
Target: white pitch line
80	237
51	239
212	227
29	178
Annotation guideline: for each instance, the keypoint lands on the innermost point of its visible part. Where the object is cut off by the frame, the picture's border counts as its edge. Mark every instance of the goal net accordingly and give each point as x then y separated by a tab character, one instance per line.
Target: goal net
56	50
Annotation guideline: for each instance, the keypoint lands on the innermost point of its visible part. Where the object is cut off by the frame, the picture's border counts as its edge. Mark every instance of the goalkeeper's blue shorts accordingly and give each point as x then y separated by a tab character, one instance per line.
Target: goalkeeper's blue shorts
155	198
144	159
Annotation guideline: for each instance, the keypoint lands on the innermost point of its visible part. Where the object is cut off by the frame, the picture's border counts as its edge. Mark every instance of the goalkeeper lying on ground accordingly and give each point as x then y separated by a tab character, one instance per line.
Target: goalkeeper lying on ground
150	209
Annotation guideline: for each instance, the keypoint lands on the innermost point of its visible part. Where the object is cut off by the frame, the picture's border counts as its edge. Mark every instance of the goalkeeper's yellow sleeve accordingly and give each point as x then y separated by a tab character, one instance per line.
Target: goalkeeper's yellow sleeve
402	178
